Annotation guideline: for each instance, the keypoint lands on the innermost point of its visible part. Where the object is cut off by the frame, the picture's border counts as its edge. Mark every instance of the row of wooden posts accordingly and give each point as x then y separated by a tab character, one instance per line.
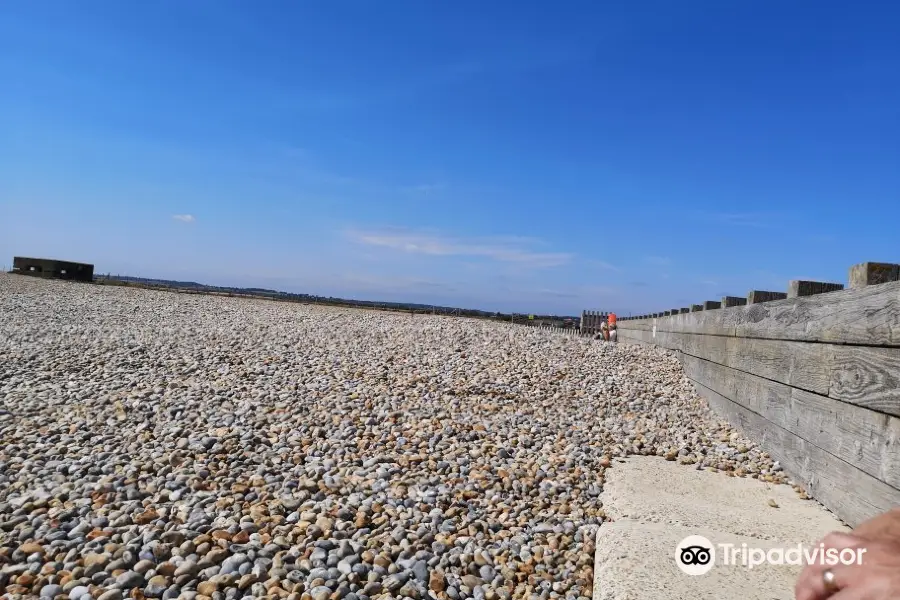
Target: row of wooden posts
591	321
565	331
861	275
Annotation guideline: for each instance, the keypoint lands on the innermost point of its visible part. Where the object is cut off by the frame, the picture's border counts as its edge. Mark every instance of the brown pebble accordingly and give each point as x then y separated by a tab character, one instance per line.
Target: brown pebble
207	588
31	548
221	534
436	581
145	517
241	537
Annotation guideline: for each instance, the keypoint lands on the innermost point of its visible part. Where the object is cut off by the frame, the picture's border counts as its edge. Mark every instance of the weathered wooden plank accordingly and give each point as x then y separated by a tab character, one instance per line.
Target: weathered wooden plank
867	376
868	316
729	301
758	296
638	337
800	364
798	287
641	324
642	335
860	375
873	273
850	493
864	438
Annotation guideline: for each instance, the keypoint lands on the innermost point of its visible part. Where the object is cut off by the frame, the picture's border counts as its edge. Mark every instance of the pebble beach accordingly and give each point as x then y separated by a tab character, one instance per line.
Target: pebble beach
165	445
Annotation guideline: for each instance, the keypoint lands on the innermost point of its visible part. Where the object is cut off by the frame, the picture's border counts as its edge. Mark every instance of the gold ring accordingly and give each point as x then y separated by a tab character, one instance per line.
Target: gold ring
828	578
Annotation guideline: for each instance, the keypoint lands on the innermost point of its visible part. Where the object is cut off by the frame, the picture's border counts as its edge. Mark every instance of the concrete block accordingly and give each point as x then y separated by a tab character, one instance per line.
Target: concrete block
636	561
799	288
654	504
711	304
685	310
696	307
53	269
757	296
873	273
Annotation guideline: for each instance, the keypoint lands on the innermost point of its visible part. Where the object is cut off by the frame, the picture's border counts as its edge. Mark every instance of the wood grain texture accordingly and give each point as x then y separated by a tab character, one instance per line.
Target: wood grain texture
729	301
863	438
853	495
799	287
868	316
815	380
860	375
757	296
873	273
867	377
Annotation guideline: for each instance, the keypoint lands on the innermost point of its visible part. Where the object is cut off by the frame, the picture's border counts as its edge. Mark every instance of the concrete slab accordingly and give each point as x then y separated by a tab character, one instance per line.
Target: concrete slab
652	489
655	504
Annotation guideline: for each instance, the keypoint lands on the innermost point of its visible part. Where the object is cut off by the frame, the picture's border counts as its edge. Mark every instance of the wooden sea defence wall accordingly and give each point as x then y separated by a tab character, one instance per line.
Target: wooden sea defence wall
591	321
812	374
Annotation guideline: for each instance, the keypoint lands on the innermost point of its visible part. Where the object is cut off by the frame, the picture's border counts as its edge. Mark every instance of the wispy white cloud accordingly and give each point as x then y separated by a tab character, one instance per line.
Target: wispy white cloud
185	218
519	251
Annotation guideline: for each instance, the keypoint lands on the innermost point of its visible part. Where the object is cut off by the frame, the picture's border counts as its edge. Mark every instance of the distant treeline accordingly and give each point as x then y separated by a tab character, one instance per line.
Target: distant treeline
411	307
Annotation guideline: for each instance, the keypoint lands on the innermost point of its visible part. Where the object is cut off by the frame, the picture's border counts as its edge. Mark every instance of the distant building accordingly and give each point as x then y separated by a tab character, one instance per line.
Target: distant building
55	269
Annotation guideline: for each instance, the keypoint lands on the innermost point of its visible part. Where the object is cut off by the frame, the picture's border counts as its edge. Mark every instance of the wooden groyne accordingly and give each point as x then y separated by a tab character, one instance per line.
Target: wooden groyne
812	374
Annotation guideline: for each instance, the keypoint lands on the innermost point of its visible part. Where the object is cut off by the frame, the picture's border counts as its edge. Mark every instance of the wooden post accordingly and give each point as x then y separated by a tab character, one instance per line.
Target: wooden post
757	296
873	273
711	304
798	288
728	301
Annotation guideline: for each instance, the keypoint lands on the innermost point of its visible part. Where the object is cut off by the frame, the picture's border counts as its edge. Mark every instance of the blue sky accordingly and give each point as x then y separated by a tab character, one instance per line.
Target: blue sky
519	156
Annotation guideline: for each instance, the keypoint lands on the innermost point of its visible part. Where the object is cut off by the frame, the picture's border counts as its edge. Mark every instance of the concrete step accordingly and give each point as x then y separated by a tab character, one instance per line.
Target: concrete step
654	504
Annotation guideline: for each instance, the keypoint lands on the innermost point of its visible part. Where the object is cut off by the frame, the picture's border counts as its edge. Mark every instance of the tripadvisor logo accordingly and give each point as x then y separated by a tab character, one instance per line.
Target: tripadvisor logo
696	555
